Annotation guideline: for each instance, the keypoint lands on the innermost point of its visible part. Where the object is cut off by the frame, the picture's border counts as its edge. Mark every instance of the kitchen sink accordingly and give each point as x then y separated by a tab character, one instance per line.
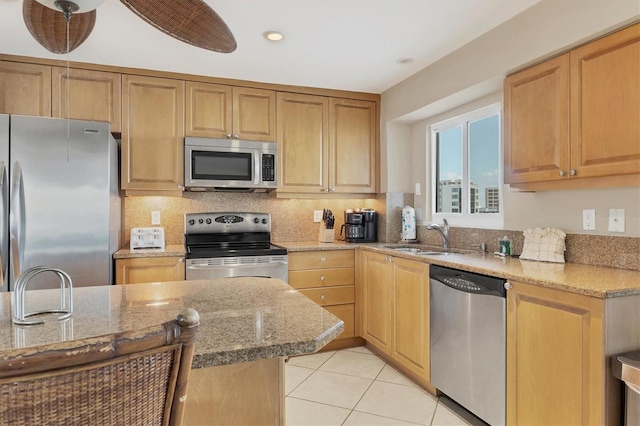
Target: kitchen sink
422	252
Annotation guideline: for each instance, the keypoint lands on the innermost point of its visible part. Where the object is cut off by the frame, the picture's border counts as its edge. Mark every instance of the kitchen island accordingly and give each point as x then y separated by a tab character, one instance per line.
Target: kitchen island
247	327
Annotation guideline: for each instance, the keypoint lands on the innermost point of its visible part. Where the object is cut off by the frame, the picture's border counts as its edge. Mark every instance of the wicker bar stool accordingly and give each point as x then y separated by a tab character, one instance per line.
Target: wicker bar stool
136	377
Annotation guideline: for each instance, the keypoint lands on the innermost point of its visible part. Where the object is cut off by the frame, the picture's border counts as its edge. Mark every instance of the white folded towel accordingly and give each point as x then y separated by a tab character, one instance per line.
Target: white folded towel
546	245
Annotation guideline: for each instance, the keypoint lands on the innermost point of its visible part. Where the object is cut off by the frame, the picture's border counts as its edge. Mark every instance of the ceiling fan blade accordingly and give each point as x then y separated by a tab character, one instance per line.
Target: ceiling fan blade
190	21
49	27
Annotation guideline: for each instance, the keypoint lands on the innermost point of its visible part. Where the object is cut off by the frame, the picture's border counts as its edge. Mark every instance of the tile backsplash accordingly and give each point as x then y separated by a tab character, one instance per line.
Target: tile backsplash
292	220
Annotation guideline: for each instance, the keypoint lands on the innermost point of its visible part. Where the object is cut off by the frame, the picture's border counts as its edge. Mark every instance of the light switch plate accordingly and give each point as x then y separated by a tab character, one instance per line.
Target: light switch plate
616	220
317	215
589	220
155	217
418	190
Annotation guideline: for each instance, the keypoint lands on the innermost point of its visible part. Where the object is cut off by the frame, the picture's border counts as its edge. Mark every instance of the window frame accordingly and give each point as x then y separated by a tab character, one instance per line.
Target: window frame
479	220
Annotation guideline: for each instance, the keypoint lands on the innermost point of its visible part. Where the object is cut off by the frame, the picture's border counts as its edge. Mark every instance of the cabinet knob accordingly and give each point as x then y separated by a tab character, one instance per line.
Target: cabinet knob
323	297
572	172
236	136
322	278
181	187
331	189
507	285
322	259
181	260
561	172
228	135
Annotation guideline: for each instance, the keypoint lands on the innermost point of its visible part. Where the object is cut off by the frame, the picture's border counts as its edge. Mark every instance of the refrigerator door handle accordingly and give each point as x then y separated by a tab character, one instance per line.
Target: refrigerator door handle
17	221
4	257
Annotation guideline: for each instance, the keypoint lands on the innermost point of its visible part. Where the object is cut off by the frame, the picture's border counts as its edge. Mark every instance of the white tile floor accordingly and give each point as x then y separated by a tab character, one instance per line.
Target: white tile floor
355	387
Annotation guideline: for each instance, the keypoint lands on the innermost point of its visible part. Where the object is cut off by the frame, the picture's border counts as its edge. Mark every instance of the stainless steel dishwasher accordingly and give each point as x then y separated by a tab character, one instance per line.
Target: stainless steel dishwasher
468	340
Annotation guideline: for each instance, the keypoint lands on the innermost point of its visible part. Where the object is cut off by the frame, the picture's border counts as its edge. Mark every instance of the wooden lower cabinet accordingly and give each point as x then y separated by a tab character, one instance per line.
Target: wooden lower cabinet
555	357
327	277
396	309
149	269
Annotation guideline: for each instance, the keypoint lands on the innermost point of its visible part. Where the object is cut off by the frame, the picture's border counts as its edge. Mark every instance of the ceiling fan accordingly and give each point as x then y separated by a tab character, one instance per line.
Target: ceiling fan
190	21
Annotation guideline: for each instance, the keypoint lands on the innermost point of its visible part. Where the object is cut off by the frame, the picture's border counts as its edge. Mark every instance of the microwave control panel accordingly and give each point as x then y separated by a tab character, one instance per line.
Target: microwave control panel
268	167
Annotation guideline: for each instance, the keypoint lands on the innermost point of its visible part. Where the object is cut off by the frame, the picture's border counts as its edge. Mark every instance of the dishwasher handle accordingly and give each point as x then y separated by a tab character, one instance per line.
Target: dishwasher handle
466	285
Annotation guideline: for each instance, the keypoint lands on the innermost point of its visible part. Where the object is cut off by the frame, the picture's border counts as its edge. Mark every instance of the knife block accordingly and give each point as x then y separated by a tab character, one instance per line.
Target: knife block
325	235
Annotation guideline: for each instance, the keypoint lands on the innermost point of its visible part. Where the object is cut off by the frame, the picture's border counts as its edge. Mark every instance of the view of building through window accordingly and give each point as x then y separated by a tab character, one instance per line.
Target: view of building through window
467	164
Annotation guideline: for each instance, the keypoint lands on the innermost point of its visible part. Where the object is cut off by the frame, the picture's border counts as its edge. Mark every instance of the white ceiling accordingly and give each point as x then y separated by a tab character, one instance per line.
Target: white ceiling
338	44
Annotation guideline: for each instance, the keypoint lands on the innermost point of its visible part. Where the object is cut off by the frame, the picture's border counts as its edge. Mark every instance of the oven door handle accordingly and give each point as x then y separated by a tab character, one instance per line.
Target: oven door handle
239	265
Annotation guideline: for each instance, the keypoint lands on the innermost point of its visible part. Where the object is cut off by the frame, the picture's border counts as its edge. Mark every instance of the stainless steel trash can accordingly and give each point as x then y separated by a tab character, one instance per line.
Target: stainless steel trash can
626	367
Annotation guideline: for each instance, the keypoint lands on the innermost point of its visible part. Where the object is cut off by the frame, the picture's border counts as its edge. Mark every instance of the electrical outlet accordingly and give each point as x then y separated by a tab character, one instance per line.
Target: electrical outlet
155	217
589	220
317	215
616	220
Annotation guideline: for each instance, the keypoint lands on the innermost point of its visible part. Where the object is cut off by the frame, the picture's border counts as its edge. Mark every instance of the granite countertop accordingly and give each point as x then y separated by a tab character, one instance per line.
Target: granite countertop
171	250
595	281
241	319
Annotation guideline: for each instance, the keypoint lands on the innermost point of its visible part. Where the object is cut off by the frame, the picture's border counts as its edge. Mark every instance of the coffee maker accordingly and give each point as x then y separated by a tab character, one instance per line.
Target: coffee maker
360	226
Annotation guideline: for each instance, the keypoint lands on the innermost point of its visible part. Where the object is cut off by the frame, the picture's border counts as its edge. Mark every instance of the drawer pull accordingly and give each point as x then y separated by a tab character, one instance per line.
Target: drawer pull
322	278
323	297
322	259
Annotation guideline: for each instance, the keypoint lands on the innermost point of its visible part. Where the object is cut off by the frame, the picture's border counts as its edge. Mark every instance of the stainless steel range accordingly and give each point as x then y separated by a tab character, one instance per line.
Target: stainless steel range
221	245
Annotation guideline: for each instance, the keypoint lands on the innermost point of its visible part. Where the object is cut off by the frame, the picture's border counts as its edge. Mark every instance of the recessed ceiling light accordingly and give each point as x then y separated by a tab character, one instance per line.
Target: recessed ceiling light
405	61
273	35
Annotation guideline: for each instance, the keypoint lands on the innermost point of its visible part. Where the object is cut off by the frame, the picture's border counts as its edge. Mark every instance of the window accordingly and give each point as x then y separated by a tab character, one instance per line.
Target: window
467	168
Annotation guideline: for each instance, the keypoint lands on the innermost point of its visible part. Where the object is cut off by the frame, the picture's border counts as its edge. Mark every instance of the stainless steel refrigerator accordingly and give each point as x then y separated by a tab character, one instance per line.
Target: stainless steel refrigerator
60	200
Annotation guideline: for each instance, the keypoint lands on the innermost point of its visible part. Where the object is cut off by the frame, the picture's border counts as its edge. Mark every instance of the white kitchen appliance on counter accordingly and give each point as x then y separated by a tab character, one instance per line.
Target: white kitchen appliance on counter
147	239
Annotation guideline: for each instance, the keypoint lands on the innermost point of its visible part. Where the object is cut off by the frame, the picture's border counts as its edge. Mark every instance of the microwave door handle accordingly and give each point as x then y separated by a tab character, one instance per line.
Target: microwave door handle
257	160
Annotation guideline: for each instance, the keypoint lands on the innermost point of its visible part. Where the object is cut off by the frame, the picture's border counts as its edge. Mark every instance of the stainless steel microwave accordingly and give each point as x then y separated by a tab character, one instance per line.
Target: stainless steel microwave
229	165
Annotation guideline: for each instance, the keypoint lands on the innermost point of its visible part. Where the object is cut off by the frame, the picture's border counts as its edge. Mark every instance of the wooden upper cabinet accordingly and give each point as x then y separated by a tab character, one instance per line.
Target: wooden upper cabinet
576	117
326	145
90	95
605	105
152	133
25	89
303	149
352	146
536	122
219	111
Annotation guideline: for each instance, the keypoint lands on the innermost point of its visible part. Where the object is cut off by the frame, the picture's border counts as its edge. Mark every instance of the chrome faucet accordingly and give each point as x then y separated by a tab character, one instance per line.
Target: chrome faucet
444	233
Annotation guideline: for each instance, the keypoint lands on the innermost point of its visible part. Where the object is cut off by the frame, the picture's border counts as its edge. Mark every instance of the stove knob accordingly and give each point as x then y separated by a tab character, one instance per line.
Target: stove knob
208	221
264	221
200	221
191	221
256	220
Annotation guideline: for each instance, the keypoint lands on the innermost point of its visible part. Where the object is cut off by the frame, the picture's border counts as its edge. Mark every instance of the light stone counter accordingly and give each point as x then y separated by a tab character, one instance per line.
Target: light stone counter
241	319
595	281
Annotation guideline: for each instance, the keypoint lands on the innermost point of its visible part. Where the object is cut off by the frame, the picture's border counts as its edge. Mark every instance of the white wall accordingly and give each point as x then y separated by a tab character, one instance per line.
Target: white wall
472	77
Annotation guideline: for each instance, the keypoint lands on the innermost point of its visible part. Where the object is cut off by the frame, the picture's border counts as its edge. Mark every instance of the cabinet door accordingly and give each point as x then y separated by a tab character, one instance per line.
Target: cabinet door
347	314
152	133
25	89
208	110
254	114
377	292
151	269
411	315
302	123
555	357
536	123
90	95
605	105
352	146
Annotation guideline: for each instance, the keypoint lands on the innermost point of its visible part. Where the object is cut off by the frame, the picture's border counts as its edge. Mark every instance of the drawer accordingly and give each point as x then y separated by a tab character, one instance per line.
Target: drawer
321	259
347	314
331	295
321	277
